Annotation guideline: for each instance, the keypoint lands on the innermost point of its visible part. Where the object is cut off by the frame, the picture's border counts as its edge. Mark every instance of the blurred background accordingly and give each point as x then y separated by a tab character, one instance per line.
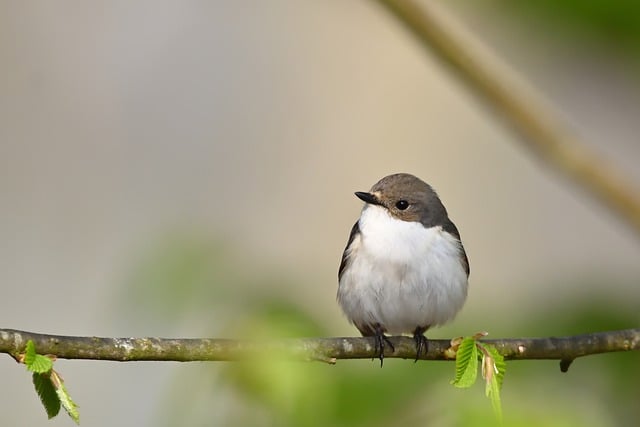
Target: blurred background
187	169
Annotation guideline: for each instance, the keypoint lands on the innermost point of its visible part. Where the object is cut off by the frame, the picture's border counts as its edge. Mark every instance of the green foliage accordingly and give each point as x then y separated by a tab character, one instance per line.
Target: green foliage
63	396
48	384
47	393
469	352
616	22
493	369
466	364
497	360
34	362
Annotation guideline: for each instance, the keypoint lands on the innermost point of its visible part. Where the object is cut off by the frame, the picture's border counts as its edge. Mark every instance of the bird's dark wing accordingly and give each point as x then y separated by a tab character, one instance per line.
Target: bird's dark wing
450	227
355	230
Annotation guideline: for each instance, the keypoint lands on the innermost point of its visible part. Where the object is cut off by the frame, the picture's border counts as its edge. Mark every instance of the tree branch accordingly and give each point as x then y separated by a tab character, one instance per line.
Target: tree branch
566	349
541	129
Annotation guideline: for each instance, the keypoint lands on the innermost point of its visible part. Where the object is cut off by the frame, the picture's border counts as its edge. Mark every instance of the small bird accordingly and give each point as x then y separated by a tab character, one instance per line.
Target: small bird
404	268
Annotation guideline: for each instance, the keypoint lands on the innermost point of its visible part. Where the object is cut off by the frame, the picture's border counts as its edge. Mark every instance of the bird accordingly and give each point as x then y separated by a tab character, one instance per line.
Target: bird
404	268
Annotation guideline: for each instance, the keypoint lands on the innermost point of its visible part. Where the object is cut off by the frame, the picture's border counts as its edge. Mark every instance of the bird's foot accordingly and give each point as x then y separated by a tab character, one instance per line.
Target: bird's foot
422	343
381	340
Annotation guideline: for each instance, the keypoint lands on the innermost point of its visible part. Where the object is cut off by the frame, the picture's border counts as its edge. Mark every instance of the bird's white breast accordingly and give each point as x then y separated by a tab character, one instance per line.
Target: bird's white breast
401	274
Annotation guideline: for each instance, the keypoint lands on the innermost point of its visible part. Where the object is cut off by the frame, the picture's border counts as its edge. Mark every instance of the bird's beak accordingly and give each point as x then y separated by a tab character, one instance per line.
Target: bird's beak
372	199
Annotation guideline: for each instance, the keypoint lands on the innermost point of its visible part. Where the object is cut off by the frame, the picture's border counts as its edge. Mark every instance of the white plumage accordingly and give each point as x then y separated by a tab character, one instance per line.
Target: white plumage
401	274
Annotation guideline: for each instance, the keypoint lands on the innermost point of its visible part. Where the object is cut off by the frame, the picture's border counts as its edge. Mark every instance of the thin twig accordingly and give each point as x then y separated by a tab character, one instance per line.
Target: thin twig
13	342
541	129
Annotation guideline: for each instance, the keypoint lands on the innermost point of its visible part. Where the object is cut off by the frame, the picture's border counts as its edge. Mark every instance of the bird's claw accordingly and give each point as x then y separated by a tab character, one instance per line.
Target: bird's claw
422	343
381	340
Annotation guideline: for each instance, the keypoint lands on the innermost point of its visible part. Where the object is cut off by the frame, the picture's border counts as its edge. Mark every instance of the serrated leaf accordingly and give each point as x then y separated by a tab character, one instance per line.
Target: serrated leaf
64	398
47	394
492	390
493	369
36	362
499	365
40	365
29	353
466	364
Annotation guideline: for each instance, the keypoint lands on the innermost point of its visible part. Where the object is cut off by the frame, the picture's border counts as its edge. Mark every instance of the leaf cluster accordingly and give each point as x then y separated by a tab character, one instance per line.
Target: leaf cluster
470	352
49	384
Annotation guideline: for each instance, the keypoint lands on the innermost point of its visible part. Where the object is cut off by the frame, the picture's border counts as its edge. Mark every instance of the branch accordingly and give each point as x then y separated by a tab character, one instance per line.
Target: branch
566	349
541	129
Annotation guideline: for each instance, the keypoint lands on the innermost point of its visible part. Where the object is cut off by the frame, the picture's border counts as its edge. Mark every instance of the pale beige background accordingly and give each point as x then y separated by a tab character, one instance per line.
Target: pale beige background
256	121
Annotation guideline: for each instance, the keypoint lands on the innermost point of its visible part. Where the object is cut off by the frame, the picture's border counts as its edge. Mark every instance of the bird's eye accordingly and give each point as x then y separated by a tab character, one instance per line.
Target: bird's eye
402	204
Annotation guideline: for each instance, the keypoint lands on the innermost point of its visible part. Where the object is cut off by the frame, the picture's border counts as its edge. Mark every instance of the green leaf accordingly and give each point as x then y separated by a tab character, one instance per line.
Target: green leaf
29	353
40	365
466	363
47	393
492	390
498	362
493	369
63	395
36	362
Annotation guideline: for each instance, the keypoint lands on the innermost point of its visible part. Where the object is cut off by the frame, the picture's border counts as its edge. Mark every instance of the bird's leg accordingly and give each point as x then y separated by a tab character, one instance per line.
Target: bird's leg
380	340
422	343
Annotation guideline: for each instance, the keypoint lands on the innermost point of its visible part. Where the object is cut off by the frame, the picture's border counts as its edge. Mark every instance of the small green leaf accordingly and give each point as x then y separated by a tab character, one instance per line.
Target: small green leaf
40	365
466	363
47	394
499	365
492	390
29	353
67	403
493	369
36	362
